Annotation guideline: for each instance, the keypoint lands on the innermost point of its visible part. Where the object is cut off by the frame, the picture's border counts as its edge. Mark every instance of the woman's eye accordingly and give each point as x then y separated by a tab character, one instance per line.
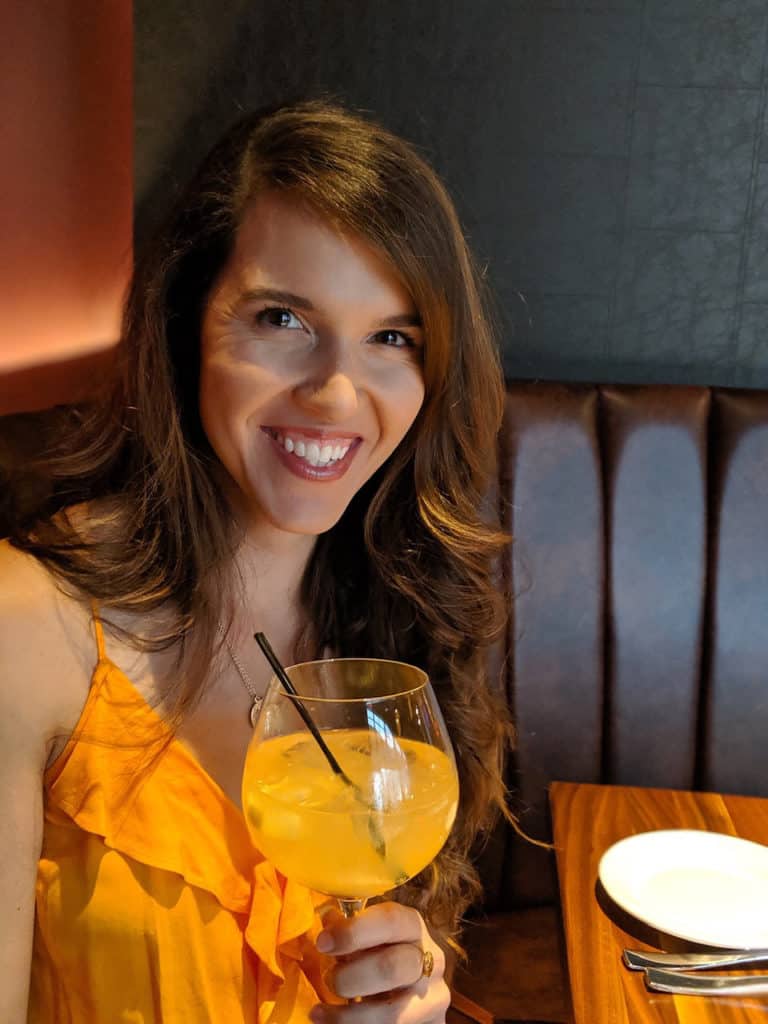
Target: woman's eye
395	339
279	317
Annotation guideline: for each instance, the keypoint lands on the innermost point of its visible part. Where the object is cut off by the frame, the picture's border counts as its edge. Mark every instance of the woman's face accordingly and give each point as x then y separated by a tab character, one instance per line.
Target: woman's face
310	367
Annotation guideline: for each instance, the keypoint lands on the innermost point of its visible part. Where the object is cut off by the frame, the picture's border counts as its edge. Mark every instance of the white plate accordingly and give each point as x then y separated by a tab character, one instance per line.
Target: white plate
702	886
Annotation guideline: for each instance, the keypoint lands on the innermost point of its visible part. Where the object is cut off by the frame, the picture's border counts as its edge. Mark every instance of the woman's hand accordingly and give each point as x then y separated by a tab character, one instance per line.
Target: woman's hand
383	956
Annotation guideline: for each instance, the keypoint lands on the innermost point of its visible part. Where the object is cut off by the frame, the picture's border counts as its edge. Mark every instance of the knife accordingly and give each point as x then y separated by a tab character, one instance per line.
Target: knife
639	960
680	983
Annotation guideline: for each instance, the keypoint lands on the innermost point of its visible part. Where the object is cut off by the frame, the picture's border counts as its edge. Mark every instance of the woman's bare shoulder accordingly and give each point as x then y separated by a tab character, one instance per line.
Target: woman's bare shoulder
26	583
47	650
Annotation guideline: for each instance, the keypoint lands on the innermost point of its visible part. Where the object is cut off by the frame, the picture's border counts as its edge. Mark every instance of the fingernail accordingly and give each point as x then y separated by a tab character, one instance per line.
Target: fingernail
318	1015
325	942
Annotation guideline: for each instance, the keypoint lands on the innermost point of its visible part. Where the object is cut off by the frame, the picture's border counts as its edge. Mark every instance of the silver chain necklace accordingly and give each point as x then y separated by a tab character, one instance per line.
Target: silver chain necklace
256	698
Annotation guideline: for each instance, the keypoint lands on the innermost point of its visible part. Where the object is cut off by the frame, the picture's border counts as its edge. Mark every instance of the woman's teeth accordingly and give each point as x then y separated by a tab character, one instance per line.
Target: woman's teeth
312	452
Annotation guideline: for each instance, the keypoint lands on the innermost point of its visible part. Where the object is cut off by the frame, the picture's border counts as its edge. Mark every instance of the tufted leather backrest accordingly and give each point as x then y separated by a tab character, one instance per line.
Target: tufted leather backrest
638	643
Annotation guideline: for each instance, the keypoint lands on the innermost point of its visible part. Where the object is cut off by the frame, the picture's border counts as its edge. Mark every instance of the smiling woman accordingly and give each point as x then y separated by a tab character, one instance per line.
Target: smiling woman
298	440
322	385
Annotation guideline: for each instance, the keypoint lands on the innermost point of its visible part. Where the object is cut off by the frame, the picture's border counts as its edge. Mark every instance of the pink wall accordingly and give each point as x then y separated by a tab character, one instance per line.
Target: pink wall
66	184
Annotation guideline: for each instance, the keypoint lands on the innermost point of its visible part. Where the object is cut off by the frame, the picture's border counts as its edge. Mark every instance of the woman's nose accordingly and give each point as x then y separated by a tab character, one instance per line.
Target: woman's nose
331	395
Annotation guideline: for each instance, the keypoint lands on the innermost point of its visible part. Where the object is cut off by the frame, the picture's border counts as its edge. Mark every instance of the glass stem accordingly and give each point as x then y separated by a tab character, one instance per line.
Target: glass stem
351	907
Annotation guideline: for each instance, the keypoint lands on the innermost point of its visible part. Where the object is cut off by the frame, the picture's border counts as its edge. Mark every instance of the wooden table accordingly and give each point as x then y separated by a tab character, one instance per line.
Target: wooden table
587	820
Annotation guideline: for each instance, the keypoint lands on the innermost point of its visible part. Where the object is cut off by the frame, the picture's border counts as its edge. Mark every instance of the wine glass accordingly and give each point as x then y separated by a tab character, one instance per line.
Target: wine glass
379	816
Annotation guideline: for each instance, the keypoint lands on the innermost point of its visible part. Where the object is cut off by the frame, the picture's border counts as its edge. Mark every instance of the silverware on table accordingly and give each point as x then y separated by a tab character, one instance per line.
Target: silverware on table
679	983
639	960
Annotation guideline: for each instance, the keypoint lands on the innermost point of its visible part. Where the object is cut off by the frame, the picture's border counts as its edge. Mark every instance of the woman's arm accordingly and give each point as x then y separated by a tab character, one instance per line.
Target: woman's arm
43	682
22	756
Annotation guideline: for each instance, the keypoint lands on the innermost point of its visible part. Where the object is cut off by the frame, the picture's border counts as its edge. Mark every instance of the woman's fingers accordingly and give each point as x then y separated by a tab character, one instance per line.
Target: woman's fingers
380	957
379	925
380	970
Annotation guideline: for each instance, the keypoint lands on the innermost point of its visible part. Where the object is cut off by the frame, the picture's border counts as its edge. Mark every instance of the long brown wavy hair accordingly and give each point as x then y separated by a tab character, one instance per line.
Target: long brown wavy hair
406	572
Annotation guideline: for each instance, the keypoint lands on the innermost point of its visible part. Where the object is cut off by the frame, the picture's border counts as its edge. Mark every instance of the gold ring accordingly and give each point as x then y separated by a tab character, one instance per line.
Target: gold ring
427	963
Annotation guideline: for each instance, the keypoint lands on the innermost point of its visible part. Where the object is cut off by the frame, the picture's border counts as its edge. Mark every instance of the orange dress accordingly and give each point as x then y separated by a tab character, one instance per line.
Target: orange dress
152	904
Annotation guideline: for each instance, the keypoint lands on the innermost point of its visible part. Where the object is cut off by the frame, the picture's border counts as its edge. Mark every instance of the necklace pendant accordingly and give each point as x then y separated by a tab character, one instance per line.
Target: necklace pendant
253	714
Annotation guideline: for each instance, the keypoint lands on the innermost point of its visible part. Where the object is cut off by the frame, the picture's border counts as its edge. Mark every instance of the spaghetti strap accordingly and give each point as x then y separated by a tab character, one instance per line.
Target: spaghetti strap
98	629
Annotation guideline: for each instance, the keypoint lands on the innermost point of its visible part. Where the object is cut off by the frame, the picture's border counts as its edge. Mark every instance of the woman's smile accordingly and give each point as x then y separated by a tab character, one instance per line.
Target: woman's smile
314	454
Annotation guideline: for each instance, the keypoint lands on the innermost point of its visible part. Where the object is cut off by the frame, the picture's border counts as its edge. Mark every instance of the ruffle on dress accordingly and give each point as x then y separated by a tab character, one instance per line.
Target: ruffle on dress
123	777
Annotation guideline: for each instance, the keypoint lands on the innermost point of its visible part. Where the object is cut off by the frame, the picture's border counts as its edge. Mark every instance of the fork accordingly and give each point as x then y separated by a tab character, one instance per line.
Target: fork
679	983
639	960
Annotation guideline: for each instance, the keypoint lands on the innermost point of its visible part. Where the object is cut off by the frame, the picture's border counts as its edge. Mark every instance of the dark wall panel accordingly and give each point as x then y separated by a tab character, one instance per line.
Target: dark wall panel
608	157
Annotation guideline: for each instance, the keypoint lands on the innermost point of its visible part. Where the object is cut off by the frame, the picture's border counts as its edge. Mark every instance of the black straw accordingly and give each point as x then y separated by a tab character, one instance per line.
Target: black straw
288	686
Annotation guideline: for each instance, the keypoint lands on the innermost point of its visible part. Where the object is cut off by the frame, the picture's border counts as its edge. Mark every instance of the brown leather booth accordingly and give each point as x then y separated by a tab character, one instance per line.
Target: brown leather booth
637	650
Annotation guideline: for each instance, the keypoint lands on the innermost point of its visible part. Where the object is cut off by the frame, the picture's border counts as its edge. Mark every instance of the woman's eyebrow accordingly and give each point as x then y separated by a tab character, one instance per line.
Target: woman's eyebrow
403	320
275	295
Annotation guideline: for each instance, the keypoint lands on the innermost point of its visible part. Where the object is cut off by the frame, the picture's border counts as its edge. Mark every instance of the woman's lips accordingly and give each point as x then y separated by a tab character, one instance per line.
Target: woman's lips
301	466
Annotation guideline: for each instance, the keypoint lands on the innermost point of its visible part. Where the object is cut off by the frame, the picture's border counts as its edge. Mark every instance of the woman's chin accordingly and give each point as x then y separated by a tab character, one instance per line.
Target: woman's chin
309	523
